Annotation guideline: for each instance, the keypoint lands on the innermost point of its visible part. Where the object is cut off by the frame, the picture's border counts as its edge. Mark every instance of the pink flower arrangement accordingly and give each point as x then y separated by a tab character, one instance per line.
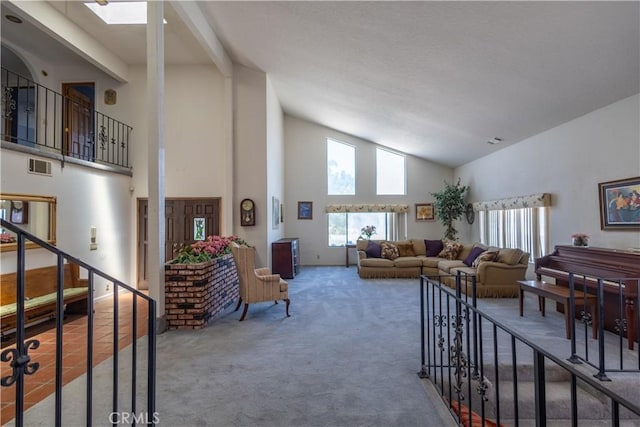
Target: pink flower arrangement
368	231
206	250
7	238
216	246
580	239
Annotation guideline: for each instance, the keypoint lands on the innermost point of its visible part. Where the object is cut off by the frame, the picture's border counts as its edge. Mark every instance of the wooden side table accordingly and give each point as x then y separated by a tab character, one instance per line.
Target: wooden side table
346	254
559	294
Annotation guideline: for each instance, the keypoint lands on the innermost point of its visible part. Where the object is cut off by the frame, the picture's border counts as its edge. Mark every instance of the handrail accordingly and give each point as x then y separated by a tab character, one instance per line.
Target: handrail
68	127
21	363
453	318
46	245
628	301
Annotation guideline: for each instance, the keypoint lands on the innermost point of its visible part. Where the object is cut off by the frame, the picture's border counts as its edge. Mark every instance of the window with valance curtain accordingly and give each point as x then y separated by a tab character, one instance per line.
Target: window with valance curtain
345	222
516	222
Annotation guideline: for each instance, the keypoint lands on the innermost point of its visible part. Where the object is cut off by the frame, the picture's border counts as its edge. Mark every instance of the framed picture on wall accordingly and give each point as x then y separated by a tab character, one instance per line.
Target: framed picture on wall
425	212
620	204
275	212
305	210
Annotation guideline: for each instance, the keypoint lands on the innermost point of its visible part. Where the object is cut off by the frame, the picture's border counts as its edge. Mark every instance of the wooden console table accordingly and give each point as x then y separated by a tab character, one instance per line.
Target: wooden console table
560	295
346	253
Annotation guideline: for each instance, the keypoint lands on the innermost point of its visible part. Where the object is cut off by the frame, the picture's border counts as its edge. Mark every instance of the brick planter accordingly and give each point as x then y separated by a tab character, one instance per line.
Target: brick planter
194	293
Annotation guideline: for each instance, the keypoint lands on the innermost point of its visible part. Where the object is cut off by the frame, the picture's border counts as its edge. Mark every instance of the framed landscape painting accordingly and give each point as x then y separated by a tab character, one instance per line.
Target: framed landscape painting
425	212
305	210
620	204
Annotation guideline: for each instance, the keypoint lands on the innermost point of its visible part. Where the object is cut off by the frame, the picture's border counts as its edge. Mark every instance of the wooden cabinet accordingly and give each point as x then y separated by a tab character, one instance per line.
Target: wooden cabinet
285	257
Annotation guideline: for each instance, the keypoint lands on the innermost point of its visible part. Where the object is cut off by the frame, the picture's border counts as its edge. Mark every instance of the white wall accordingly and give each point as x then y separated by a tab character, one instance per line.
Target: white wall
306	180
85	197
567	161
275	164
250	154
194	156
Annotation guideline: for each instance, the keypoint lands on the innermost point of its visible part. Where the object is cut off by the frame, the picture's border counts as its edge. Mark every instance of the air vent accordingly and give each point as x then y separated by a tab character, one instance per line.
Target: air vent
40	167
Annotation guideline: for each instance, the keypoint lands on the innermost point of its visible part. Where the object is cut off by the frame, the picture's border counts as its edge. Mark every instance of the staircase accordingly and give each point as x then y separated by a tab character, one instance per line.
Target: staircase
123	384
524	383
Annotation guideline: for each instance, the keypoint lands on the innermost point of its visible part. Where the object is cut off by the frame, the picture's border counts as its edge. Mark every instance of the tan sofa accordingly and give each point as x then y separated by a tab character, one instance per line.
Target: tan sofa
493	278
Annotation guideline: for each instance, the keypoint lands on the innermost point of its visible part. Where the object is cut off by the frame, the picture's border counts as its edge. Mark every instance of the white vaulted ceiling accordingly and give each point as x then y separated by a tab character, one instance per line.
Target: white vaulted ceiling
433	79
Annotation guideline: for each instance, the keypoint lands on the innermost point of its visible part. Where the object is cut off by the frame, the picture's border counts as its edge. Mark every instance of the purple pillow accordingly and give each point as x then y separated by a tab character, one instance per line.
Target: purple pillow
433	247
475	253
373	250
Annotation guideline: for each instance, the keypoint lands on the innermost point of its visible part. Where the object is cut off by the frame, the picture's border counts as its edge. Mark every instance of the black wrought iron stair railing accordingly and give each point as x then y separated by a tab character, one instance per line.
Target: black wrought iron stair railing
38	117
582	320
22	364
503	376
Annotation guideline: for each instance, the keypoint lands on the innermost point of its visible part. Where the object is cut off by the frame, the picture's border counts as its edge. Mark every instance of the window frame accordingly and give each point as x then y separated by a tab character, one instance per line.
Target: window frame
355	167
536	235
404	172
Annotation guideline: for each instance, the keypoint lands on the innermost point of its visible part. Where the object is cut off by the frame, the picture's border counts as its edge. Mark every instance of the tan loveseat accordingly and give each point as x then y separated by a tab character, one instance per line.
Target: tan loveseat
496	278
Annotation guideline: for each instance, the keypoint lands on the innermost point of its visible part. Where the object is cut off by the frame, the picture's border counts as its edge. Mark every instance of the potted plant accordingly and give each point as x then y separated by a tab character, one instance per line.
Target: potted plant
580	239
450	206
206	250
368	231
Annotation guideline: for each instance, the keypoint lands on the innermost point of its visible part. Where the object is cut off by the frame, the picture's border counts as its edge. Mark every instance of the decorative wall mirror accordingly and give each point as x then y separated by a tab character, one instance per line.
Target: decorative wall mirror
35	214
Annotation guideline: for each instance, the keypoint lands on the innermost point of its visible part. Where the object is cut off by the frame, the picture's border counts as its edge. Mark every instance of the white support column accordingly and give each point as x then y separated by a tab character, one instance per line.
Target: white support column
228	201
155	108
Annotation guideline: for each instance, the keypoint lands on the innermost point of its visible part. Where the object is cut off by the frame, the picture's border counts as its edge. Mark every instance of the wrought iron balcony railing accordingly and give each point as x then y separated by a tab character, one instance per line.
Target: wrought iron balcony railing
38	117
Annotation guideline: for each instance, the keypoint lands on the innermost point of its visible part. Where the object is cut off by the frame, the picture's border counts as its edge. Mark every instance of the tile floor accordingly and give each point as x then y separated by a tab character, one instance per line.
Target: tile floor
74	349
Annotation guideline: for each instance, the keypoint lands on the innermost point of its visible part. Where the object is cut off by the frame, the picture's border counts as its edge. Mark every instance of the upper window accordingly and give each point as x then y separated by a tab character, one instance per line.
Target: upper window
390	173
341	168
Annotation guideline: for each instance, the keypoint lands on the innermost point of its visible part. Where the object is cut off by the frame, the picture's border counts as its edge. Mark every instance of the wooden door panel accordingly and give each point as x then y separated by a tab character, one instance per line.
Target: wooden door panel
179	215
78	124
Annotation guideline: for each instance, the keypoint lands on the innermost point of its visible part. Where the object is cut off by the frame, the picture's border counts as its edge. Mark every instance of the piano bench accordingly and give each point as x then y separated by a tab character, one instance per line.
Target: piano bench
561	295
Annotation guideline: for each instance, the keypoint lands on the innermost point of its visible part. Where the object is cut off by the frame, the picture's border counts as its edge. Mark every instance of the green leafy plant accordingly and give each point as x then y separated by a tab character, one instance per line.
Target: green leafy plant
206	250
450	206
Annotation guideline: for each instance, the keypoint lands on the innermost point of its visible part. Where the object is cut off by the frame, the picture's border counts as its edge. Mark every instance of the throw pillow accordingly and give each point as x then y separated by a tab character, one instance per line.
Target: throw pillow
373	250
405	249
485	256
433	247
509	256
389	250
451	250
475	252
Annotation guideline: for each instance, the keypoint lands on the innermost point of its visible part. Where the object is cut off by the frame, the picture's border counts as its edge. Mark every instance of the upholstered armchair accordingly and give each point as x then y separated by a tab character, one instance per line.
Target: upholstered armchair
257	284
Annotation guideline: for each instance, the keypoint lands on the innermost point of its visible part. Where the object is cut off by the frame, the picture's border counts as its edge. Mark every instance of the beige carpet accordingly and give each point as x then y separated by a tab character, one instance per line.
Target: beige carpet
347	356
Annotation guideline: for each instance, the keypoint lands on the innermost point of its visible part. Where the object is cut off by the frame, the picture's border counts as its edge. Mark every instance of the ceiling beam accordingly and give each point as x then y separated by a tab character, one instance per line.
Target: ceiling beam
193	17
58	26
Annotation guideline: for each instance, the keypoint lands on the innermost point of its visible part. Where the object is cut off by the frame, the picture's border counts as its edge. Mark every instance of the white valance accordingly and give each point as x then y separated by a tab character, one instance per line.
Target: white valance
367	208
530	201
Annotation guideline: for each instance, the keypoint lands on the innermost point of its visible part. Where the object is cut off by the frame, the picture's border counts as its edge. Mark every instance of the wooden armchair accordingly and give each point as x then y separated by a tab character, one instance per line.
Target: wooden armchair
257	284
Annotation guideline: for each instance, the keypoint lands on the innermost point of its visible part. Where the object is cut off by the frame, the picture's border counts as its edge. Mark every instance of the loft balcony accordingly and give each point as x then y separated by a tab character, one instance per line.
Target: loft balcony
40	118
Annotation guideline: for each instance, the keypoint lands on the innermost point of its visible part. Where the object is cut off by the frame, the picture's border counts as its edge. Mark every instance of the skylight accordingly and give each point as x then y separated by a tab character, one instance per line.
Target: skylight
121	13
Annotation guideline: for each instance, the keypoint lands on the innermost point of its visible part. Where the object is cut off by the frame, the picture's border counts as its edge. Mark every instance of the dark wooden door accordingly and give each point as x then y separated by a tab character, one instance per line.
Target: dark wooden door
78	123
180	216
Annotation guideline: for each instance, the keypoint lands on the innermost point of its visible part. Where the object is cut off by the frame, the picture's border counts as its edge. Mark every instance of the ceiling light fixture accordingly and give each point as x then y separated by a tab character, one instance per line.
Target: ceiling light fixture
494	141
13	19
